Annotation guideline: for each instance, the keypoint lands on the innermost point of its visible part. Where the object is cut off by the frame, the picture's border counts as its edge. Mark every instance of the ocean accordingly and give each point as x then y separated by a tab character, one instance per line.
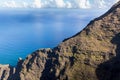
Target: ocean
22	31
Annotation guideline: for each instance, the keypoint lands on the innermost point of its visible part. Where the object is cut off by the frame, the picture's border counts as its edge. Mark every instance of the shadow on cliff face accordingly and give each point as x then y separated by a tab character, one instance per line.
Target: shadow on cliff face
47	74
110	70
16	75
52	67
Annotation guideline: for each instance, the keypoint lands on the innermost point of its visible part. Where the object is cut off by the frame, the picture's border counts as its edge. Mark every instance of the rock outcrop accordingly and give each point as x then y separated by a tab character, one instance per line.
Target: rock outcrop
92	54
6	72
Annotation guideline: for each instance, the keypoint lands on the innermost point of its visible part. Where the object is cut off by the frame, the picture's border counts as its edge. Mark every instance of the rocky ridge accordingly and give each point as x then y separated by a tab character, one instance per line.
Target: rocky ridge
92	54
6	71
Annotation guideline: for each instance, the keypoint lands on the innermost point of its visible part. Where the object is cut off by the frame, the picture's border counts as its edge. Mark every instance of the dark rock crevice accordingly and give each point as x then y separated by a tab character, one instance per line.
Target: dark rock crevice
49	70
110	70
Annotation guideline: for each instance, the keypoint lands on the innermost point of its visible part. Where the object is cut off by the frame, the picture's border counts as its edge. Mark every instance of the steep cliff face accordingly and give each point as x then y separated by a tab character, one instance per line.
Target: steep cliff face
6	72
89	55
92	54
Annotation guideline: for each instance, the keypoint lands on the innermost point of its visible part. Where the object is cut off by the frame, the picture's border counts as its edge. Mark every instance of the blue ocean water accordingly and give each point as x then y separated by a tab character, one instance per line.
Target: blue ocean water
24	31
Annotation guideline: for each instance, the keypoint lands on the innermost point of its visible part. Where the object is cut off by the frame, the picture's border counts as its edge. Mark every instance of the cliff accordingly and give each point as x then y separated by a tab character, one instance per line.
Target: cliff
6	71
92	54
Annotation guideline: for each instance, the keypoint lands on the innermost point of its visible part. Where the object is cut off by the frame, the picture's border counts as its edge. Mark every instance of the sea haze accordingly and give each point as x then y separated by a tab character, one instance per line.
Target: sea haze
24	31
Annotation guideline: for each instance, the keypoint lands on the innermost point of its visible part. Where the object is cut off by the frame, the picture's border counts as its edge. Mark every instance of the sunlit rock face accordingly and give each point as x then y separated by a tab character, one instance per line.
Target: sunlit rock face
6	72
92	54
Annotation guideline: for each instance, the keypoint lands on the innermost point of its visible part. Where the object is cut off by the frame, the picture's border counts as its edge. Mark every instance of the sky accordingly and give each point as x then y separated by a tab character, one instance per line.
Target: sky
57	3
